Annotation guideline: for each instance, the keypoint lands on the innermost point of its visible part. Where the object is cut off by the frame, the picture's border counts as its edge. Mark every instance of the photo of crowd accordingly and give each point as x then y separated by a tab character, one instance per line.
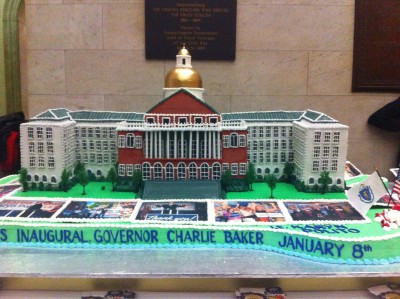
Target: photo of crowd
98	210
173	211
303	211
29	209
248	211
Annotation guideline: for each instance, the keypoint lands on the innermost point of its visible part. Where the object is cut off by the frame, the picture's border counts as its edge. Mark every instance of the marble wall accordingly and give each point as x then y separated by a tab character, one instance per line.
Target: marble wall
291	54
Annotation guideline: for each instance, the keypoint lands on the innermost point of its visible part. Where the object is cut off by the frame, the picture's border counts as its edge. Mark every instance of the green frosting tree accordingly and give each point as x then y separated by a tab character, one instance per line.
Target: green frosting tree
65	183
83	180
226	179
112	176
137	180
271	181
23	179
324	181
251	176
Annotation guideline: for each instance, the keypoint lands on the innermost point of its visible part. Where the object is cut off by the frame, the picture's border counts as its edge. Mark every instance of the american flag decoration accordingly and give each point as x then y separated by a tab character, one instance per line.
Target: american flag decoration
396	186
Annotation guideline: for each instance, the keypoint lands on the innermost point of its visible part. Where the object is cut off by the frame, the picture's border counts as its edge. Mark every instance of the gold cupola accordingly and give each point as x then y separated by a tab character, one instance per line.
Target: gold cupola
183	75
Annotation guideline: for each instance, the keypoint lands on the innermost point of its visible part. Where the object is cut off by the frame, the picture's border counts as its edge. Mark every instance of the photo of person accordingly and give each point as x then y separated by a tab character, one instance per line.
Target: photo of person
311	211
4	190
12	208
173	211
98	210
42	209
248	211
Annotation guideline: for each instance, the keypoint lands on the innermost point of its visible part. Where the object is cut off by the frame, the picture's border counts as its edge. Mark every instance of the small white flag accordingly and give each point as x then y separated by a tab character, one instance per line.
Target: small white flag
363	195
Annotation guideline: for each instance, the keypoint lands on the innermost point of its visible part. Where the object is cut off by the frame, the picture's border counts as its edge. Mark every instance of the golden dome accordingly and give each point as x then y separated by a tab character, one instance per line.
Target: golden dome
183	77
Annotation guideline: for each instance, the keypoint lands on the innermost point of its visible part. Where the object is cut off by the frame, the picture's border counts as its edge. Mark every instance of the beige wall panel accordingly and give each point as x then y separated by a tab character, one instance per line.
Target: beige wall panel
123	26
330	73
102	1
45	72
64	26
257	72
130	103
29	2
295	27
85	102
112	72
332	2
294	2
40	103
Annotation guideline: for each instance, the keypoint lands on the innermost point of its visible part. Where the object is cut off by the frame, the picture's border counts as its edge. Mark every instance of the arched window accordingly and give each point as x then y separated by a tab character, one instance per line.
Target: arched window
130	140
267	170
36	178
29	178
338	182
53	179
204	171
216	171
311	181
169	171
158	171
181	171
234	140
44	178
259	171
276	170
192	171
146	171
98	172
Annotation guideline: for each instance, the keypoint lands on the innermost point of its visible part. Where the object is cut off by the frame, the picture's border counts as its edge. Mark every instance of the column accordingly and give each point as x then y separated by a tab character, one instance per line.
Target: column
167	147
175	144
146	144
151	144
209	144
218	145
197	144
159	144
190	145
182	144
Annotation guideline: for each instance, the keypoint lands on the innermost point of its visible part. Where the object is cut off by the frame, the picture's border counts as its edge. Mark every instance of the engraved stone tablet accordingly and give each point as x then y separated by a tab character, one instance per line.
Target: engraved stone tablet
376	63
206	27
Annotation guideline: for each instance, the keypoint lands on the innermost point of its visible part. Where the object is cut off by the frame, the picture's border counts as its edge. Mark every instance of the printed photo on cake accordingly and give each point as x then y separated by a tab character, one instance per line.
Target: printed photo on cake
29	209
248	211
98	210
321	211
173	211
4	190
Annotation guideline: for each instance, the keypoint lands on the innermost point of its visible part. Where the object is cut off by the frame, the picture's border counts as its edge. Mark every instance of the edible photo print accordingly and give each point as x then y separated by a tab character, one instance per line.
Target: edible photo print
4	190
29	208
248	211
98	210
321	211
184	211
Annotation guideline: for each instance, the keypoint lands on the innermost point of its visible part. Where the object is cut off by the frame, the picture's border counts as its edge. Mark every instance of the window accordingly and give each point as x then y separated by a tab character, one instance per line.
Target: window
336	137
99	159
41	162
255	145
138	142
166	120
261	132
260	145
31	147
275	157
40	148
182	120
32	161
213	120
91	145
234	140
90	132
105	145
198	120
84	145
327	137
44	178
121	141
254	132
283	157
317	137
242	169
216	171
51	162
276	170
130	140
267	170
334	165
92	158
335	152
311	181
225	167
204	171
268	145
98	145
30	132
325	164
150	120
268	132
291	157
242	140
121	169
315	167
98	133
138	167
49	133
317	152
39	132
192	171
268	157
261	157
276	132
325	153
276	144
169	171
129	169
50	147
112	145
181	171
234	168
225	139
53	180
283	132
146	171
254	158
106	159
104	132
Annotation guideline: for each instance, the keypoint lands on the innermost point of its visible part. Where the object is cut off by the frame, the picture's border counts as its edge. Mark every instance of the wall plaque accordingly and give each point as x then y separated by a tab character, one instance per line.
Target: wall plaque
376	61
206	27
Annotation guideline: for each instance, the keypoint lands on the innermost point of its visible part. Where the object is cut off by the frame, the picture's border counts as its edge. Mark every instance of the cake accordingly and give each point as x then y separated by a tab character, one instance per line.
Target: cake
182	148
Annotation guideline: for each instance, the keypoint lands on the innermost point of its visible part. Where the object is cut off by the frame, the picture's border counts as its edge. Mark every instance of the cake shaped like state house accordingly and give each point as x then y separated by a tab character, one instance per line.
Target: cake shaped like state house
182	137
